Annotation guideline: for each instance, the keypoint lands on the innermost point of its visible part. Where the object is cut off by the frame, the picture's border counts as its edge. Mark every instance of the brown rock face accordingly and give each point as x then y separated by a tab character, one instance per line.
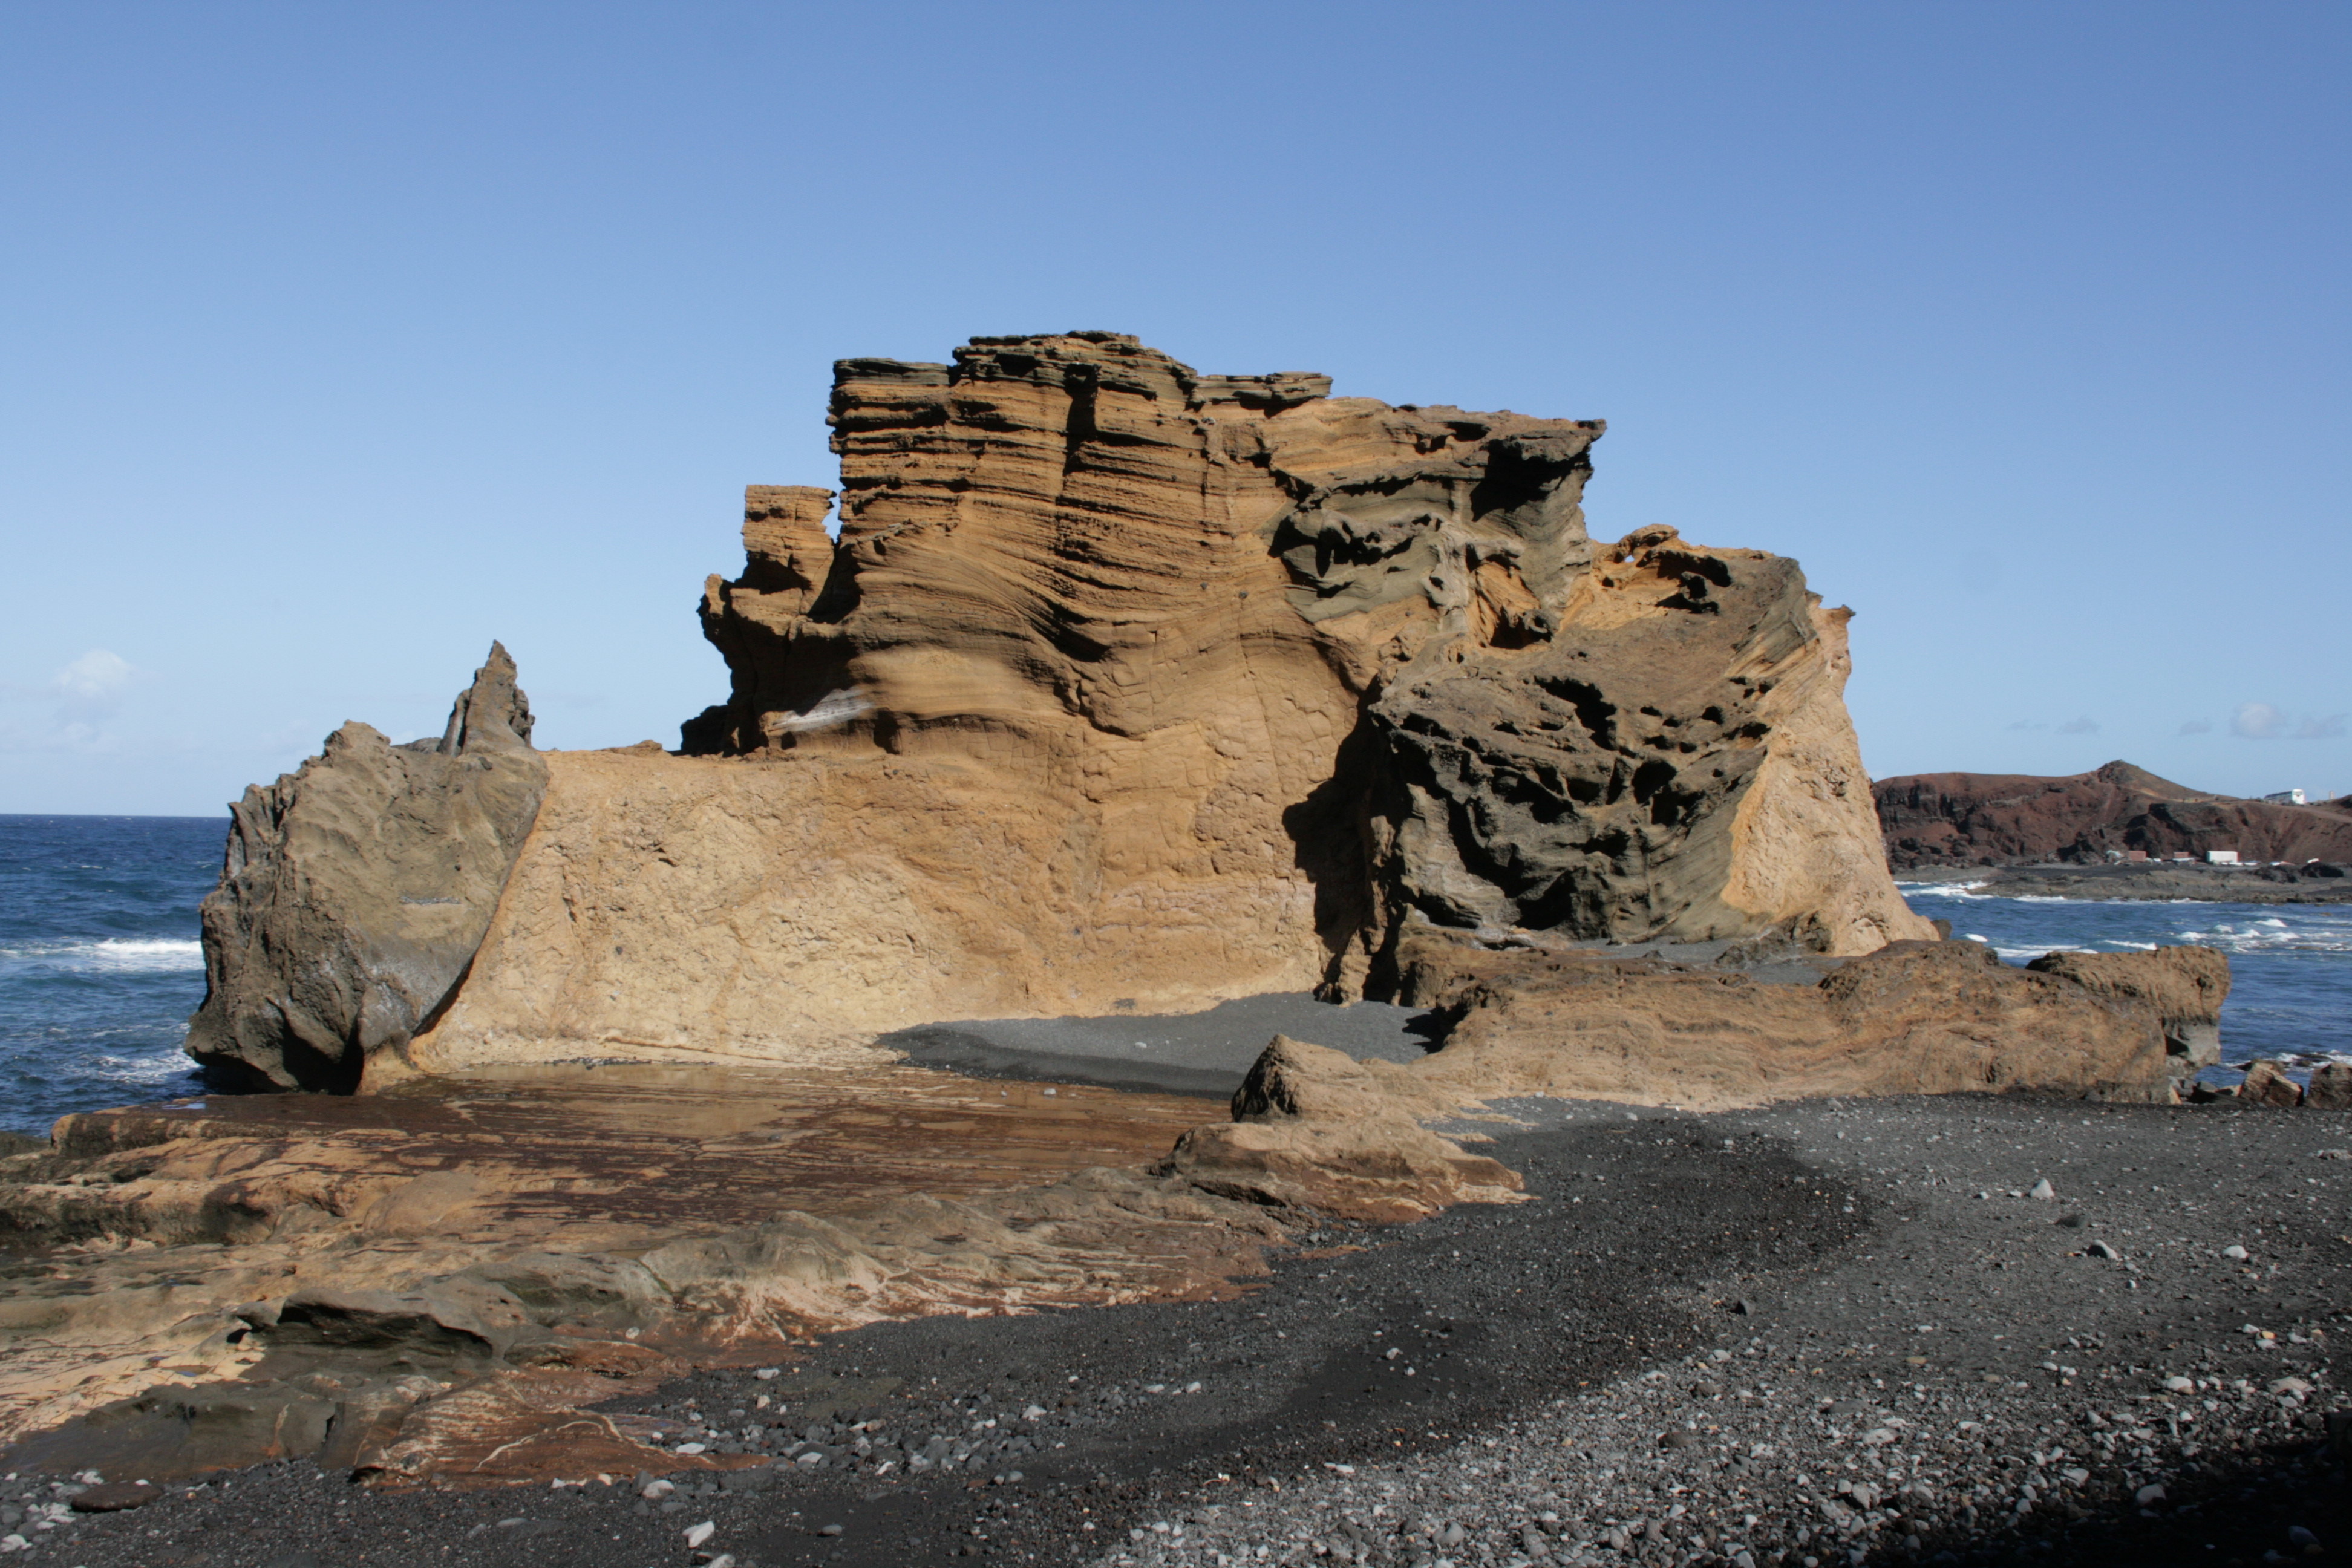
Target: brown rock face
1994	819
1912	1018
2267	1084
2184	987
1315	1130
1128	683
355	891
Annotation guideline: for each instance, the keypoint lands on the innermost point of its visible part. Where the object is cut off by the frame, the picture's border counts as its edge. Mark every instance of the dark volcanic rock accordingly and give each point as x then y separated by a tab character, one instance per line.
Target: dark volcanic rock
1374	640
356	891
1593	786
1993	819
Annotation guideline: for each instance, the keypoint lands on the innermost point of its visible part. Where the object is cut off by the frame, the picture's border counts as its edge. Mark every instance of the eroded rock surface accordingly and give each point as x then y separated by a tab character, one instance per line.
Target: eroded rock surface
1316	1131
433	1283
355	891
1911	1019
1127	685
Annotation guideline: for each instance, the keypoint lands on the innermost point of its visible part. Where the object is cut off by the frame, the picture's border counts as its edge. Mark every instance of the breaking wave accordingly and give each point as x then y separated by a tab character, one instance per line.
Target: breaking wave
108	956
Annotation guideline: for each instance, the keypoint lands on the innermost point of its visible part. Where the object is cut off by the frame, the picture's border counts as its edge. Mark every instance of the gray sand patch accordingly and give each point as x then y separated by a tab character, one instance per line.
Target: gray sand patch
1174	1053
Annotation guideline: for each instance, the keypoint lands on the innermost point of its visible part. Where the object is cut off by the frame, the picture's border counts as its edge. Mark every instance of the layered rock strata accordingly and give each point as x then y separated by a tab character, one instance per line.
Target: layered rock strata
1125	686
432	1285
1911	1019
355	891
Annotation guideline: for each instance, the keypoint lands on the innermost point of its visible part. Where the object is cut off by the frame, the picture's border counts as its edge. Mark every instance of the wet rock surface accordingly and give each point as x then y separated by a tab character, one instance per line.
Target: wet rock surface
1817	1329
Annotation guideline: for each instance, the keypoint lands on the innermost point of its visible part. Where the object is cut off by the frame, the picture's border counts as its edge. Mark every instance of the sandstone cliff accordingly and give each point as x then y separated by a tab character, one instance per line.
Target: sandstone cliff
1123	685
1994	819
355	891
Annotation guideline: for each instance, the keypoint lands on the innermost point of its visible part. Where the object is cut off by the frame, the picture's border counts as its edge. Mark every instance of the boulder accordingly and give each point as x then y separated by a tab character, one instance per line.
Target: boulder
2184	986
2331	1088
356	891
1314	1130
2267	1084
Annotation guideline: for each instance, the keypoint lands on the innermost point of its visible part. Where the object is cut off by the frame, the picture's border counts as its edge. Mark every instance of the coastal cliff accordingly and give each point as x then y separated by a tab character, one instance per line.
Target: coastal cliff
1129	686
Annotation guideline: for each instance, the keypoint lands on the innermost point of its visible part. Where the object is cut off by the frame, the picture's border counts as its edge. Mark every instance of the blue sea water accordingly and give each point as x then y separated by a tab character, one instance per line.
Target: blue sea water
2290	965
99	964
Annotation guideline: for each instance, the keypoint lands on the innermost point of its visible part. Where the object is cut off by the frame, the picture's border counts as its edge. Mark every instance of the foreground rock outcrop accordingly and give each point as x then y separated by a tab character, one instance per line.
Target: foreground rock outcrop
432	1284
1314	1130
1998	819
1911	1019
356	891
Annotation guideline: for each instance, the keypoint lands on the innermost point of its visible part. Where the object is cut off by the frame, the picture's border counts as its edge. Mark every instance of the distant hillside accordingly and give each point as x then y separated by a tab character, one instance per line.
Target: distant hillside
2003	820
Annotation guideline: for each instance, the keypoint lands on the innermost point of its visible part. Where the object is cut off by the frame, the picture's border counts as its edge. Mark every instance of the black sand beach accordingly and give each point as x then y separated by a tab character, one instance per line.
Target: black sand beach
1839	1331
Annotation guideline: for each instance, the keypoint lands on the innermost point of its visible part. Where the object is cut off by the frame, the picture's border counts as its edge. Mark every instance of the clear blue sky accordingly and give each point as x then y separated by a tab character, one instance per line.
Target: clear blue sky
342	338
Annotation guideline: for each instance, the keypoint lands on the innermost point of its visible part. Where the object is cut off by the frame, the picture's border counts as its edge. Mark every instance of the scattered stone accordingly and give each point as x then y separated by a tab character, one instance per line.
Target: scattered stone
2042	1190
2179	1386
2267	1084
2235	1253
2149	1496
2331	1088
112	1496
2101	1249
696	1534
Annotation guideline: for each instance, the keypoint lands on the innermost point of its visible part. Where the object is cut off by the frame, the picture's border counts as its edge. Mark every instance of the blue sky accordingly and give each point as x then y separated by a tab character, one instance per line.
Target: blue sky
342	339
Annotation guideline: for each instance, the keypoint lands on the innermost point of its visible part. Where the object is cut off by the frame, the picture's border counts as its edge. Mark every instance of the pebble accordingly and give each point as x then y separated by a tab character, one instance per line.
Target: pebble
696	1534
2042	1189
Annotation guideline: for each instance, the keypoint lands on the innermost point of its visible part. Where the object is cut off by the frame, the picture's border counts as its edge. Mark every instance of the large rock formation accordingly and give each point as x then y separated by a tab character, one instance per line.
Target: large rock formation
1997	819
1125	686
356	891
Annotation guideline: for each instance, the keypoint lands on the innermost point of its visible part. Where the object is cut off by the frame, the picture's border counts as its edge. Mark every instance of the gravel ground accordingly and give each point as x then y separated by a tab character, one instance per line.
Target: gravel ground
1839	1331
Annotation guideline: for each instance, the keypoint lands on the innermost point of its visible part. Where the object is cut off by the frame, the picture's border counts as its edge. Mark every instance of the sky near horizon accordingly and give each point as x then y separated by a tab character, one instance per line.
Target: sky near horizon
341	339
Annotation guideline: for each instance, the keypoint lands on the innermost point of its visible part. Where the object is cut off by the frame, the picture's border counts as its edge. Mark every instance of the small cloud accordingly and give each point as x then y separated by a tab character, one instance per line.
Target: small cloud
2079	727
2257	721
2261	721
2197	727
95	677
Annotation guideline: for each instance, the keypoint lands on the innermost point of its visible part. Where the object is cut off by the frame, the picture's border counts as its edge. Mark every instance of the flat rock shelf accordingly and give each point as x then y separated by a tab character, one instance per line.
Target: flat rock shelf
1838	1331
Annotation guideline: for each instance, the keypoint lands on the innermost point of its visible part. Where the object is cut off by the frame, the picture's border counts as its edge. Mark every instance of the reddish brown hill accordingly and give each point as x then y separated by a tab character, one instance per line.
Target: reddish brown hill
1997	819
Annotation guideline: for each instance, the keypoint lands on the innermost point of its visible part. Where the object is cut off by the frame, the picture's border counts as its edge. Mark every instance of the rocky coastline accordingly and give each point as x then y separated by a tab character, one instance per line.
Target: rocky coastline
1847	1330
2321	883
1226	984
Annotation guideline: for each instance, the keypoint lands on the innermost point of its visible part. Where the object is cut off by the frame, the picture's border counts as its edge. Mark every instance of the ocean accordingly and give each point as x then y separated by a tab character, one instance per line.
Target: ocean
99	964
2290	965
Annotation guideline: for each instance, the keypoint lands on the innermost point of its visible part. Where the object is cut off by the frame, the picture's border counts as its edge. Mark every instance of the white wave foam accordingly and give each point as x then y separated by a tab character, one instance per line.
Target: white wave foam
157	1068
113	954
1940	889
